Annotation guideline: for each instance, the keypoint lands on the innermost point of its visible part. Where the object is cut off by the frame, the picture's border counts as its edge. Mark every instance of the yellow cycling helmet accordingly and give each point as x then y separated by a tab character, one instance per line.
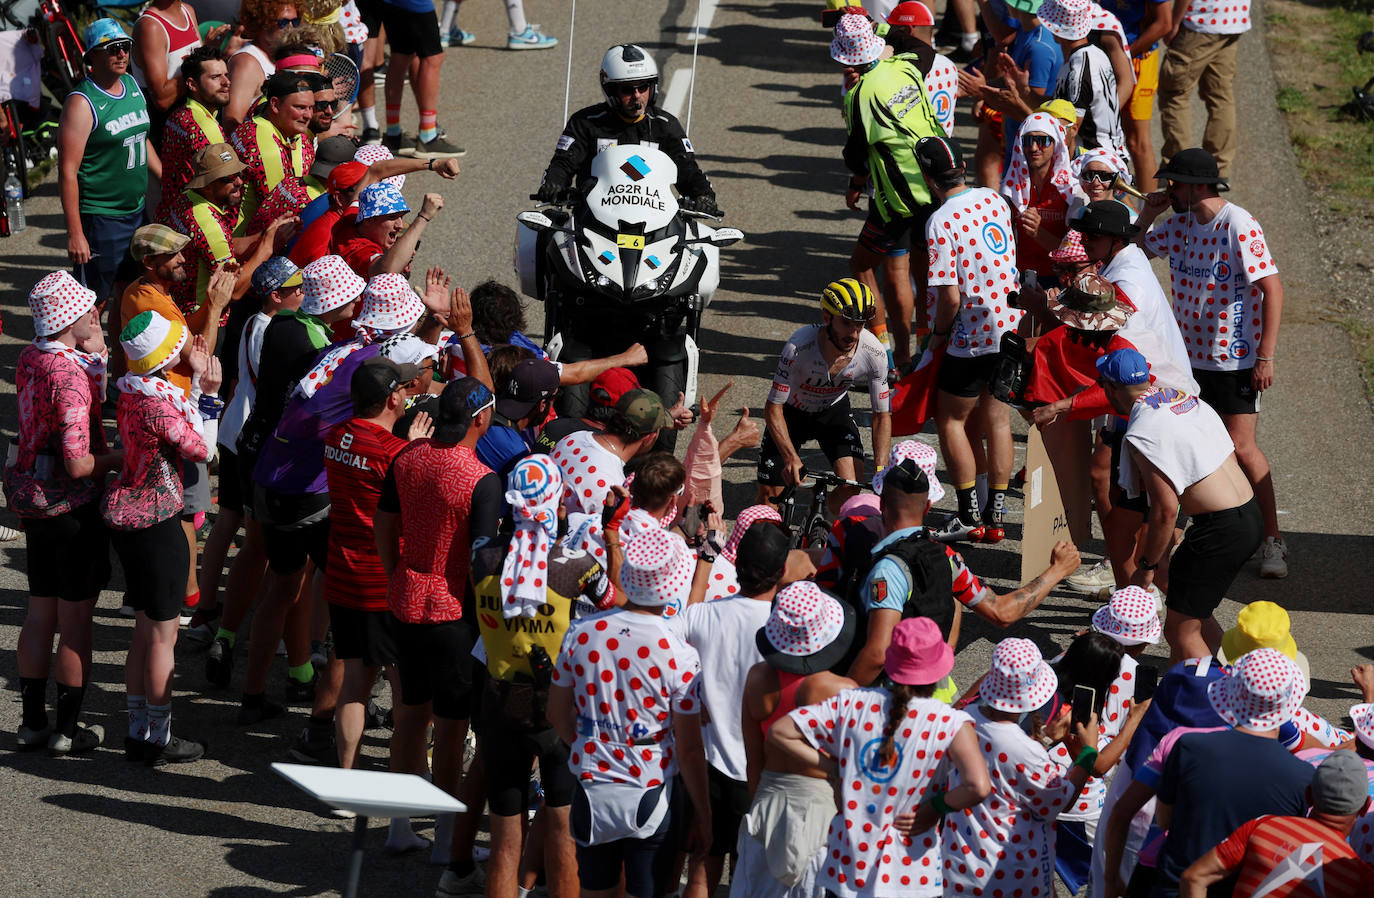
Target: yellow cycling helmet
848	298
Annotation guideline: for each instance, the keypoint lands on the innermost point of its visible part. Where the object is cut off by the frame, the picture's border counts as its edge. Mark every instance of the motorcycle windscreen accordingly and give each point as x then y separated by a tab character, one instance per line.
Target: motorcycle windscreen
634	184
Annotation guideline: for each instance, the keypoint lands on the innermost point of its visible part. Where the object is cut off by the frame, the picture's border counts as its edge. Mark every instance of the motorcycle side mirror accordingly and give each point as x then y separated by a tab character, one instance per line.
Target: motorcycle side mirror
721	237
535	221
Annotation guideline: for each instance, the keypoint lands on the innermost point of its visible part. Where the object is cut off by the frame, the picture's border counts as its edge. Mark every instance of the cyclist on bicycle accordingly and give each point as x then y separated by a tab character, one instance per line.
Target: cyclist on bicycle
810	395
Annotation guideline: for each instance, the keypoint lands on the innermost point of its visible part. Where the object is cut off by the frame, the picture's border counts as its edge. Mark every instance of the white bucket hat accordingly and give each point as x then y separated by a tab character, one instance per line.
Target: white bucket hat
1067	19
329	283
1131	617
389	304
924	456
1019	679
1262	692
1363	717
657	572
57	301
855	43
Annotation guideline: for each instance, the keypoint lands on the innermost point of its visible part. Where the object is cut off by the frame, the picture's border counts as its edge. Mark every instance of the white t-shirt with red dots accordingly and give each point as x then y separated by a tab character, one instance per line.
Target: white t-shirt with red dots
942	84
1214	268
629	674
972	246
1218	16
1120	696
866	855
1004	845
589	471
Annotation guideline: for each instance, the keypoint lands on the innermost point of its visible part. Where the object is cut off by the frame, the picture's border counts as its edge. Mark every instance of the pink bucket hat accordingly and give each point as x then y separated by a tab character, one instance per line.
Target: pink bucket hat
57	301
864	505
1069	19
657	572
1363	717
1019	679
855	43
389	304
917	655
807	631
1262	692
329	283
1070	249
1131	617
924	456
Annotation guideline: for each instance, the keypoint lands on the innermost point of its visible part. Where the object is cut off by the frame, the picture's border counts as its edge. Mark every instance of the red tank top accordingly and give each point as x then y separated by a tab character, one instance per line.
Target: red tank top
181	39
787	699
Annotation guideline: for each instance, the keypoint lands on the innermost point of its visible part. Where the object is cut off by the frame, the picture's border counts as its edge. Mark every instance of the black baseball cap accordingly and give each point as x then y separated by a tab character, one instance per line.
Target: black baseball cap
377	378
531	381
938	156
459	403
762	552
330	152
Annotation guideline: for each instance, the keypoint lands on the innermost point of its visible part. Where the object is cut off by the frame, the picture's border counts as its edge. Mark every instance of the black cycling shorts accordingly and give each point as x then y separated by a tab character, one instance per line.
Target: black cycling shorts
69	554
509	750
833	428
647	863
155	560
364	635
730	801
895	237
1229	392
411	33
230	482
435	664
371	13
1214	549
964	376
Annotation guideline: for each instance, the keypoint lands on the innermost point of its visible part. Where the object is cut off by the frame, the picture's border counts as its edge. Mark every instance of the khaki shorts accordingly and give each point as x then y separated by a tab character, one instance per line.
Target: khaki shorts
1141	106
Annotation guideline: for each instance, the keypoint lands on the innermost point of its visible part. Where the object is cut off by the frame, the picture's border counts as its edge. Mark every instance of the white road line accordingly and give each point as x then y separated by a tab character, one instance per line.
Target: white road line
675	97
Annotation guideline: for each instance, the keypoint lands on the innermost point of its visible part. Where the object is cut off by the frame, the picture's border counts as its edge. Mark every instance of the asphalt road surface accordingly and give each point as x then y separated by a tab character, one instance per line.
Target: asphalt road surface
767	127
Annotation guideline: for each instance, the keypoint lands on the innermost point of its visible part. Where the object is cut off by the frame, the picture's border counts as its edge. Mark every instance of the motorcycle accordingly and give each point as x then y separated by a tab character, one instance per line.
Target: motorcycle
624	263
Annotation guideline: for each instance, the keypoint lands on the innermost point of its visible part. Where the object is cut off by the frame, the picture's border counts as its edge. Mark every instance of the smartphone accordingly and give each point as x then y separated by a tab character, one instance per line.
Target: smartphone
1084	698
1030	280
1146	679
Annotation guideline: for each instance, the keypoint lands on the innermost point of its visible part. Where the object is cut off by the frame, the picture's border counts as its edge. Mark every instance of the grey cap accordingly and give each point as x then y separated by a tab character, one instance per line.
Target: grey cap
1341	784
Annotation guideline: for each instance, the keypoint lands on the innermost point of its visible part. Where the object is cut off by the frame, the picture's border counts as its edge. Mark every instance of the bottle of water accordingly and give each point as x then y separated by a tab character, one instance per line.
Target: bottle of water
14	200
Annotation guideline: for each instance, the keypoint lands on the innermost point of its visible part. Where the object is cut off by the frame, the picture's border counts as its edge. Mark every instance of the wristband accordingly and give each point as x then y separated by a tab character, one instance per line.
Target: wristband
430	166
937	801
943	333
1086	758
1147	565
422	218
1260	358
710	547
468	334
210	406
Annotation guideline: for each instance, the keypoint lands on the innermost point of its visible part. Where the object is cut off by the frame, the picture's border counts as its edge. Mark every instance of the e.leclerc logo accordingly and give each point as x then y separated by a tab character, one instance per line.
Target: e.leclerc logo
995	237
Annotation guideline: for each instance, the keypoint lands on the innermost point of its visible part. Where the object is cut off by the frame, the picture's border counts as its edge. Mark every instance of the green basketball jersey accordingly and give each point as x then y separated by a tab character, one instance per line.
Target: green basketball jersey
114	168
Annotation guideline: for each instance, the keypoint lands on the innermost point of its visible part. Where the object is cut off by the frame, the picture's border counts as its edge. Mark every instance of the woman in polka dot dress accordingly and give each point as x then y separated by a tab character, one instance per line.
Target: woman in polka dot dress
890	750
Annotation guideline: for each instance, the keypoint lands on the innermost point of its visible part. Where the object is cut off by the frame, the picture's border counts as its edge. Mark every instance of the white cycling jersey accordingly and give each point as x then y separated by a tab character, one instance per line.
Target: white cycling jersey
803	379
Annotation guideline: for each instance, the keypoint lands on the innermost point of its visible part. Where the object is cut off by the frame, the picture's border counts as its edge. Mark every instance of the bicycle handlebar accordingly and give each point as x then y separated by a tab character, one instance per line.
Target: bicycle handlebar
831	479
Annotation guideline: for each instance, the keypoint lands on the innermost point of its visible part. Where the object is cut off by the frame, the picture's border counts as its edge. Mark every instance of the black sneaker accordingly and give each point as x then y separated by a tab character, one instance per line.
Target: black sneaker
322	752
298	692
176	751
84	739
134	749
438	148
219	663
371	136
377	719
248	716
399	144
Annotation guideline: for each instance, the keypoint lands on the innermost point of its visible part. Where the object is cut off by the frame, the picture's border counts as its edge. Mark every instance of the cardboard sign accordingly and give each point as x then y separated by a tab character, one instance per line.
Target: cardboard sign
1057	494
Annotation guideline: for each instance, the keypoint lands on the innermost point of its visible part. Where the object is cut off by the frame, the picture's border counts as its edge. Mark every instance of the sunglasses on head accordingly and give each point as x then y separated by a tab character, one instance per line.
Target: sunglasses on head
288	23
1102	177
1037	140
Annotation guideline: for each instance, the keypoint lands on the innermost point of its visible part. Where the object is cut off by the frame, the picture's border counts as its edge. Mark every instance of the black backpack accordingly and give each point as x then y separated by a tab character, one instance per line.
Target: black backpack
932	584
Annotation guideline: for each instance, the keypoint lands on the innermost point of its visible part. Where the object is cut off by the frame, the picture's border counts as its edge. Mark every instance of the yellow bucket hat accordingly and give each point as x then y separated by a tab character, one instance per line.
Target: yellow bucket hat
1260	625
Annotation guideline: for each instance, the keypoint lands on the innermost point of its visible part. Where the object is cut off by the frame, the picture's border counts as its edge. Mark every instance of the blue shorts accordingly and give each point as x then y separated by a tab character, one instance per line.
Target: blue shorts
109	237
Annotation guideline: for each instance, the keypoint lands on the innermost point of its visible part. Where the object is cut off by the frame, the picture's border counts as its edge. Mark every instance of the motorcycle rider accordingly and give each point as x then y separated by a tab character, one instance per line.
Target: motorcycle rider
629	79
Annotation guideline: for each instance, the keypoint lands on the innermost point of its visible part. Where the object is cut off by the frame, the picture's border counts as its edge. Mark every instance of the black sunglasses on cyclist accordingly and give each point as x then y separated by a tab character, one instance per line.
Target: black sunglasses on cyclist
632	87
288	23
1037	140
1102	177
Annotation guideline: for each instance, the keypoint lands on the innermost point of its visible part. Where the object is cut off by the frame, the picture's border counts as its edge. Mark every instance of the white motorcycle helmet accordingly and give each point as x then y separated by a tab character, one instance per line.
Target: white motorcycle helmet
627	62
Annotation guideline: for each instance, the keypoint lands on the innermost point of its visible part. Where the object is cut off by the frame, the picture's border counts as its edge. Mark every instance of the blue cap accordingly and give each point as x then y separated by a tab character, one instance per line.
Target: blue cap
1124	366
102	32
275	273
380	199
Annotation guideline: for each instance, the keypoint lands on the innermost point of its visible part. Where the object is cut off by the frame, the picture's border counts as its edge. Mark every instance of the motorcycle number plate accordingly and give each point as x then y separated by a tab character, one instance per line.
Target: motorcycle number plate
629	241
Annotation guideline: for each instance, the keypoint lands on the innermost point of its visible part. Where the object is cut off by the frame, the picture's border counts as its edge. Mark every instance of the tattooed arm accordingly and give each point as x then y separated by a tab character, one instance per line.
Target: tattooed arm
1005	610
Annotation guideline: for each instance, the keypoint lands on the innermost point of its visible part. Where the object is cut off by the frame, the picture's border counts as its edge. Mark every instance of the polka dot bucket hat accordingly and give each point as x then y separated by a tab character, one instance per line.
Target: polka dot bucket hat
1069	19
329	283
57	301
1019	679
657	572
855	43
370	153
1262	692
807	631
1131	617
1363	717
389	304
924	455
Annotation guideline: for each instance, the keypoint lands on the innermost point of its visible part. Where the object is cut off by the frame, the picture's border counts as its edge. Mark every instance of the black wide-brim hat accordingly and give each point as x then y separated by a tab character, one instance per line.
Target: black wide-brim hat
1193	166
1111	218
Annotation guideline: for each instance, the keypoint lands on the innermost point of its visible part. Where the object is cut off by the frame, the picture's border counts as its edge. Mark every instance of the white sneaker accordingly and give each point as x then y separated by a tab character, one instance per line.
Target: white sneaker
9	534
1273	558
1091	578
451	885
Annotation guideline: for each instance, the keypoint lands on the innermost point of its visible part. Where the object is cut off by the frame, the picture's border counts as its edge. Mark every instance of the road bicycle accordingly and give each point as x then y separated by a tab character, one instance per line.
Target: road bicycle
815	530
57	32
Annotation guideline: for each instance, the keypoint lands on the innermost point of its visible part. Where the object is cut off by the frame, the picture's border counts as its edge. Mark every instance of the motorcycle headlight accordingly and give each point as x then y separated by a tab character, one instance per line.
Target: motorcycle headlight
602	281
647	288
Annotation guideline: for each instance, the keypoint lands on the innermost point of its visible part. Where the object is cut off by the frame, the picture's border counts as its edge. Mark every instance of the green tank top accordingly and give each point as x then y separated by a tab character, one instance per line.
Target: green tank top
114	168
890	109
